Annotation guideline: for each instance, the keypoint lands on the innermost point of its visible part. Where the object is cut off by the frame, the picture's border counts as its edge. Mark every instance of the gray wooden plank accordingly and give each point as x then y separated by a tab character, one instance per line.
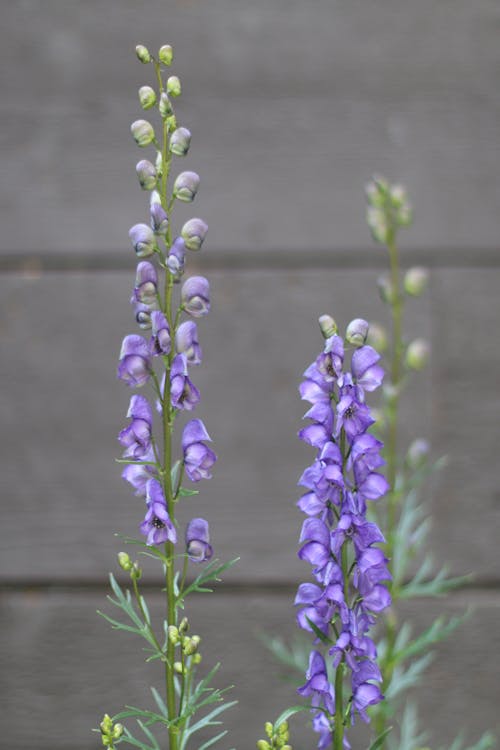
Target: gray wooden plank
61	409
62	667
291	112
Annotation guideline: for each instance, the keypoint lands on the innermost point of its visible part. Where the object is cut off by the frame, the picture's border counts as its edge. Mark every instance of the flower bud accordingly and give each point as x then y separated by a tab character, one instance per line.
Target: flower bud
178	667
175	258
417	453
386	290
143	317
377	221
193	233
184	625
146	285
117	731
143	54
147	97
179	141
190	645
357	331
263	745
166	54
146	174
106	724
327	325
173	86
196	658
142	132
376	191
417	354
165	105
143	240
124	561
415	281
269	729
136	572
377	337
195	296
173	635
159	218
186	186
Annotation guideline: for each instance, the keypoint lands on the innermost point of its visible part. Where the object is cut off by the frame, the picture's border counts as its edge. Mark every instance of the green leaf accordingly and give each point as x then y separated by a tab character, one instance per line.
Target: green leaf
213	740
160	702
319	634
294	656
288	713
211	572
379	741
438	631
174	473
184	492
151	716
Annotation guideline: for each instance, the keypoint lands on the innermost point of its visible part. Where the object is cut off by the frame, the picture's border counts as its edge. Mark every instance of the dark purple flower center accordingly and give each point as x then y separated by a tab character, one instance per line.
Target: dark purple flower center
349	412
158	523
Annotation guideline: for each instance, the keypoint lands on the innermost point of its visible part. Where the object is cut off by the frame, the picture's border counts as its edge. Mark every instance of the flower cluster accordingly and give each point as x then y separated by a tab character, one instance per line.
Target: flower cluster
169	348
337	539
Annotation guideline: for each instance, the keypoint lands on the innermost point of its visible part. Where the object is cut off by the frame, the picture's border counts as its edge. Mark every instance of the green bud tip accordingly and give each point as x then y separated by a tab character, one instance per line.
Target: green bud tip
386	291
263	745
142	132
165	105
269	729
356	332
197	658
143	54
147	97
124	561
173	86
184	625
377	337
136	571
173	635
166	54
415	281
417	354
178	667
117	731
377	222
327	325
106	723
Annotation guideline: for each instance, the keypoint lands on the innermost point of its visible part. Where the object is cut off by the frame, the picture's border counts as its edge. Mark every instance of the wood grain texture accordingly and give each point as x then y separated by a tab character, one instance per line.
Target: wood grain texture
291	112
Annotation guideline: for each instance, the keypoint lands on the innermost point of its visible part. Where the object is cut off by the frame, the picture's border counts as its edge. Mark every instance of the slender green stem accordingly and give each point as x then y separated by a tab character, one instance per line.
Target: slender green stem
338	731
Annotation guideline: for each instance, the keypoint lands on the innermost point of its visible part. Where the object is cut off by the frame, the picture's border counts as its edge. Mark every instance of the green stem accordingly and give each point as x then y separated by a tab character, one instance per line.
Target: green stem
338	731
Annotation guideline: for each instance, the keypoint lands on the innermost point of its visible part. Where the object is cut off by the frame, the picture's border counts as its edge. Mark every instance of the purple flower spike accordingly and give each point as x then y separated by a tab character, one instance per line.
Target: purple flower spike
186	342
198	544
183	394
157	526
160	341
196	296
136	438
198	458
134	367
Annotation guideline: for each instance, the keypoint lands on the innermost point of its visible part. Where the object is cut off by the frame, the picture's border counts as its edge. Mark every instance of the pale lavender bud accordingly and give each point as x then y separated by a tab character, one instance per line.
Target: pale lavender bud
377	221
179	141
198	544
417	354
417	453
147	97
193	233
357	331
160	342
142	132
386	290
146	174
176	257
159	218
143	240
415	281
166	54
186	342
173	86
135	361
143	54
146	284
327	326
165	106
195	296
186	186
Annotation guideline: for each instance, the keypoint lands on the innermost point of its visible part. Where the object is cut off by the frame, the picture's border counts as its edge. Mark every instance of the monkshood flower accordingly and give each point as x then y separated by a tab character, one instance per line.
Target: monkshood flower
143	240
193	233
136	438
176	258
180	141
183	393
198	545
134	367
146	285
157	526
186	186
186	342
138	475
198	457
195	295
336	539
159	218
160	340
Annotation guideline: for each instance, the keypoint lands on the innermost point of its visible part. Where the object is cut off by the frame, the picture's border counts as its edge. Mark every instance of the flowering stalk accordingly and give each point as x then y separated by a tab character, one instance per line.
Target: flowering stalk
164	361
337	539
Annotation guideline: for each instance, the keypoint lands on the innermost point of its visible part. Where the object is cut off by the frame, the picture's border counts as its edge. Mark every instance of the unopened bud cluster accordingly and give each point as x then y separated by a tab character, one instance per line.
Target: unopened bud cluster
388	209
278	739
110	732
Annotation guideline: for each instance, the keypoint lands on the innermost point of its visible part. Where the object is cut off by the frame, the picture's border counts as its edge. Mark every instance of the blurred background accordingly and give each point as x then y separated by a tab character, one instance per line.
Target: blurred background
292	106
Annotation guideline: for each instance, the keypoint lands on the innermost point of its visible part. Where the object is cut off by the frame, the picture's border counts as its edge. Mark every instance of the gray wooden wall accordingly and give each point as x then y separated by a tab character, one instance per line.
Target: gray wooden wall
292	106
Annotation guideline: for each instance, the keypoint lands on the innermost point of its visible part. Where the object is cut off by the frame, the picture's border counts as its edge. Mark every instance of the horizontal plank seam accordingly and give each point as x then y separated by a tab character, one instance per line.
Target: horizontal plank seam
34	264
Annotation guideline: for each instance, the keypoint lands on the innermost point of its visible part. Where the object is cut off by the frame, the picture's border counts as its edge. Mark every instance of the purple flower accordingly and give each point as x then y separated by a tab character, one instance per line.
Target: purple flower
136	438
317	684
143	240
175	258
198	458
353	415
365	370
195	296
183	394
160	340
186	342
146	285
159	218
186	186
134	367
364	692
316	549
198	540
138	475
193	233
157	526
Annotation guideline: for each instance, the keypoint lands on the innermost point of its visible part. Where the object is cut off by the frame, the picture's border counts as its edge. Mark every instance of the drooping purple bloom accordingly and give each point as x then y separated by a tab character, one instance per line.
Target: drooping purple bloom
195	296
365	370
193	233
317	687
198	457
364	692
157	525
176	257
146	285
134	367
160	340
136	438
138	475
183	393
143	240
198	545
159	218
186	342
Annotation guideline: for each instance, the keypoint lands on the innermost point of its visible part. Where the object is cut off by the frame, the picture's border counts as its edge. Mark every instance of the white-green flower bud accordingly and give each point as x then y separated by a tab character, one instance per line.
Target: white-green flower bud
417	354
173	635
376	191
377	337
184	625
404	216
196	658
269	729
166	54
106	724
186	186
178	667
117	731
263	745
142	132
136	571
179	141
193	233
124	561
190	645
159	164
165	105
417	453
143	54
386	290
327	326
147	97
147	174
377	221
415	281
171	123
173	86
357	331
